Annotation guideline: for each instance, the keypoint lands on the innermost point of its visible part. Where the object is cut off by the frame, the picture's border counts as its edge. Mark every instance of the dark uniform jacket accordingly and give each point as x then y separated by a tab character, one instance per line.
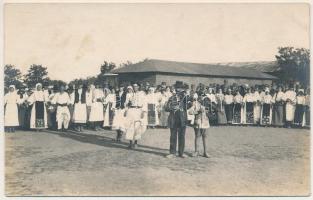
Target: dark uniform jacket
178	111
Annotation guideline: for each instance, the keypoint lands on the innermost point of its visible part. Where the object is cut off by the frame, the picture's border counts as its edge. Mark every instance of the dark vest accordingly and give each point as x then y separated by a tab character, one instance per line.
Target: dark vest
83	96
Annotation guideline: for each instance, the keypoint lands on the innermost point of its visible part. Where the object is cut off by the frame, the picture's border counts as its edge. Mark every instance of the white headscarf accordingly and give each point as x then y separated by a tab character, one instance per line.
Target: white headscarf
38	84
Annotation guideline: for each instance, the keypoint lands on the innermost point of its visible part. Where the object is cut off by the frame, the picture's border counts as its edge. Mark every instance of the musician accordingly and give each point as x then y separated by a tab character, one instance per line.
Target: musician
177	120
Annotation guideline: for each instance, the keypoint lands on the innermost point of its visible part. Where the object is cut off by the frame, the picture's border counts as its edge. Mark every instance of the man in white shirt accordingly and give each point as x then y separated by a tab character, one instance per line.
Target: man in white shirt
63	117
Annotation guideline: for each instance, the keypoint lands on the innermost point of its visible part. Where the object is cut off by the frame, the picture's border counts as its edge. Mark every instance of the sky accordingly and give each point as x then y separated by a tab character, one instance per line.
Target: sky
72	40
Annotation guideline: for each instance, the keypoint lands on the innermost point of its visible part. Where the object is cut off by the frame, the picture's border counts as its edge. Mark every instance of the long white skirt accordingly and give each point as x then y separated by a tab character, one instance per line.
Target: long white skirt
135	125
290	112
256	113
119	120
80	113
96	113
11	115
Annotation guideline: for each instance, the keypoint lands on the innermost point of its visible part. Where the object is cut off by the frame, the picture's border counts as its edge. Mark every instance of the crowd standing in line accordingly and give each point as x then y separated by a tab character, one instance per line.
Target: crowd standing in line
131	109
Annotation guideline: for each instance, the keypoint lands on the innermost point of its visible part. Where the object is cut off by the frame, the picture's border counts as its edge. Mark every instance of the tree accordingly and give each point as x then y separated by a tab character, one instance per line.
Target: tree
12	76
36	74
127	63
107	67
294	64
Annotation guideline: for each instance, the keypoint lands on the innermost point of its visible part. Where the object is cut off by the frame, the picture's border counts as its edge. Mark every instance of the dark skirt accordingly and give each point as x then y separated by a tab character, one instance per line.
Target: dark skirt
249	113
299	114
151	114
266	114
21	116
237	114
307	116
40	116
229	112
163	117
221	116
278	115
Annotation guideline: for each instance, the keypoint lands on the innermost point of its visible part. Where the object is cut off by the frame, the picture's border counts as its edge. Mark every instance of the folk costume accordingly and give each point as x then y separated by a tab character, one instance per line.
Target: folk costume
248	115
238	109
38	119
63	117
278	109
96	113
108	101
266	108
221	116
212	108
229	106
11	102
300	109
135	113
153	103
257	106
119	118
165	95
291	100
80	108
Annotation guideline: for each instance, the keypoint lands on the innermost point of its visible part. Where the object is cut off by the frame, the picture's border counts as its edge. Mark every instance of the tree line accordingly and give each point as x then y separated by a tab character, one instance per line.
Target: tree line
39	74
294	65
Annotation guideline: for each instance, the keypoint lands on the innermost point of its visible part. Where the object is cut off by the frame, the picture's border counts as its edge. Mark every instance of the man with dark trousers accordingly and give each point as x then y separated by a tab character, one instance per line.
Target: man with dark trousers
177	105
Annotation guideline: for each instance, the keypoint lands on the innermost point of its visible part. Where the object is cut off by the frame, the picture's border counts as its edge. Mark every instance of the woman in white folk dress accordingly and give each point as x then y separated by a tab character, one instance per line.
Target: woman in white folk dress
108	105
11	101
266	108
96	113
80	107
153	101
291	100
119	118
248	107
38	119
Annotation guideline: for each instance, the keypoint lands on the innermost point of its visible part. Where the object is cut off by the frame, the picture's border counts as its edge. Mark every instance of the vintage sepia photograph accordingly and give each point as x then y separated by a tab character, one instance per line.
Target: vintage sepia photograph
156	99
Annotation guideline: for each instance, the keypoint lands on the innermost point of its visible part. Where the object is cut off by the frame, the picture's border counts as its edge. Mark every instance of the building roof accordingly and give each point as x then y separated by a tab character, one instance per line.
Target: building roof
263	66
173	67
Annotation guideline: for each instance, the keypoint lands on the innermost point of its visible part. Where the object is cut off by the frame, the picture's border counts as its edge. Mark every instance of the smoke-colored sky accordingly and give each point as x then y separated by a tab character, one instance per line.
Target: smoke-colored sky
72	40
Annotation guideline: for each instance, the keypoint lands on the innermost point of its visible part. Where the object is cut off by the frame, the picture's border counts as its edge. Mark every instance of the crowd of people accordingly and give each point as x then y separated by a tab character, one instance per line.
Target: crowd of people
131	109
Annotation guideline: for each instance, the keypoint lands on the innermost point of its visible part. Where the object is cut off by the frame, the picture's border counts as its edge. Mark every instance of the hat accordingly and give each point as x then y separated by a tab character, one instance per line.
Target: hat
135	85
179	84
12	86
301	90
129	87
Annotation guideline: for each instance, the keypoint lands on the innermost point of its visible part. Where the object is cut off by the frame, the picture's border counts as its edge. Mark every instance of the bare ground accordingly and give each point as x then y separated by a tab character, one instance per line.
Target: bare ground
244	161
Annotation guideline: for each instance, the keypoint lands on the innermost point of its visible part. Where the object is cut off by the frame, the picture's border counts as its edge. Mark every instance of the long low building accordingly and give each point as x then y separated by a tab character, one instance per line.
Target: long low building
157	71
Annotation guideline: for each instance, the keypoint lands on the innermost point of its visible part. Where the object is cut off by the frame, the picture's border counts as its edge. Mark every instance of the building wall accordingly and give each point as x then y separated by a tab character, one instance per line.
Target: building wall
171	79
157	79
130	78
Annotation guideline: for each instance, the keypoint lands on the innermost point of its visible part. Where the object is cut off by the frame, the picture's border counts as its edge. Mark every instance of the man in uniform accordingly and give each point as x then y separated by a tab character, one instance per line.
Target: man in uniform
177	120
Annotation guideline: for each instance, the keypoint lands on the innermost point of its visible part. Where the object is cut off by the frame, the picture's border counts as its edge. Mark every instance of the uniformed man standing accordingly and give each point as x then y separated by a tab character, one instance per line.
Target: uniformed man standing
177	120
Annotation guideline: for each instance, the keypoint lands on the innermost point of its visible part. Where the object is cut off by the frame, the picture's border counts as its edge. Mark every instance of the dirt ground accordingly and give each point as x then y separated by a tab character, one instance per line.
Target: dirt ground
244	161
